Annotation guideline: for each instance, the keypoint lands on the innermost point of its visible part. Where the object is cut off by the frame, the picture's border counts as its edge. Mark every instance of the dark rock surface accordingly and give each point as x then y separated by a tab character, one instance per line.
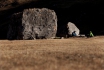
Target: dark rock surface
15	26
33	24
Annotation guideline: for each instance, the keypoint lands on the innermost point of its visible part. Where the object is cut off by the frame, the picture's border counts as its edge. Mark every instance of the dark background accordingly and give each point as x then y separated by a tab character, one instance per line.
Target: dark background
88	15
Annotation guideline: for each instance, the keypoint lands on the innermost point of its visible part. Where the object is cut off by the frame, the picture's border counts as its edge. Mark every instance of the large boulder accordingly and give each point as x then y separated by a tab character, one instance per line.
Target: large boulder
71	28
33	24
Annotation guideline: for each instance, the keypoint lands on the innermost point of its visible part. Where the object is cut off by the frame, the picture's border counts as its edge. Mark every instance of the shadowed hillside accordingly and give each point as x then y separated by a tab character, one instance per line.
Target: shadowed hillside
87	15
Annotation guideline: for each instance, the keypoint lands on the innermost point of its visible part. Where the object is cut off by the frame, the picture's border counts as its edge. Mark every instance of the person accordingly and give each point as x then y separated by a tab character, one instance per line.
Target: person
74	33
91	34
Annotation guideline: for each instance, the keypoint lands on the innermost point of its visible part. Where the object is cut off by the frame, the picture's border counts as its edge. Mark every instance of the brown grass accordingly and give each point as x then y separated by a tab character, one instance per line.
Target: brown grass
53	54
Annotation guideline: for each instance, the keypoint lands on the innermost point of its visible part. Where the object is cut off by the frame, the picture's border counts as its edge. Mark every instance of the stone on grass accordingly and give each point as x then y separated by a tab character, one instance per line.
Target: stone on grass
71	28
33	23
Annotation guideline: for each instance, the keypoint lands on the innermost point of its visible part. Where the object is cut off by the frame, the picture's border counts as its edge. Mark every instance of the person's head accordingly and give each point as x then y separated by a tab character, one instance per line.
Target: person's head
74	31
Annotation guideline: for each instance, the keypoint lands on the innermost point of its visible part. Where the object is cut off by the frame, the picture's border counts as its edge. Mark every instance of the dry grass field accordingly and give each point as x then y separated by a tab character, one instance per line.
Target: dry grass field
53	54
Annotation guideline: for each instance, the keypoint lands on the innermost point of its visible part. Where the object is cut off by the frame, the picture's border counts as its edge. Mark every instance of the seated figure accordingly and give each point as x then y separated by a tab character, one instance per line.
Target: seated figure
74	33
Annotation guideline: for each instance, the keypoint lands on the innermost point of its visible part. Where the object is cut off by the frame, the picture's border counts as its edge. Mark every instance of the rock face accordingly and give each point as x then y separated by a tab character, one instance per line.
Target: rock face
15	27
71	28
35	24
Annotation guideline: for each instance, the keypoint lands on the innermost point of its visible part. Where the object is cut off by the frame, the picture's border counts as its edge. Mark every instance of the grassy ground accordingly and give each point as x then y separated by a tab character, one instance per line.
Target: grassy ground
53	54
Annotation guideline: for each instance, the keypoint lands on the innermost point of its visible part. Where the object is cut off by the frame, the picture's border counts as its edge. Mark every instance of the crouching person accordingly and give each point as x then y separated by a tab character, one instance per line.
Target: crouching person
91	34
74	33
